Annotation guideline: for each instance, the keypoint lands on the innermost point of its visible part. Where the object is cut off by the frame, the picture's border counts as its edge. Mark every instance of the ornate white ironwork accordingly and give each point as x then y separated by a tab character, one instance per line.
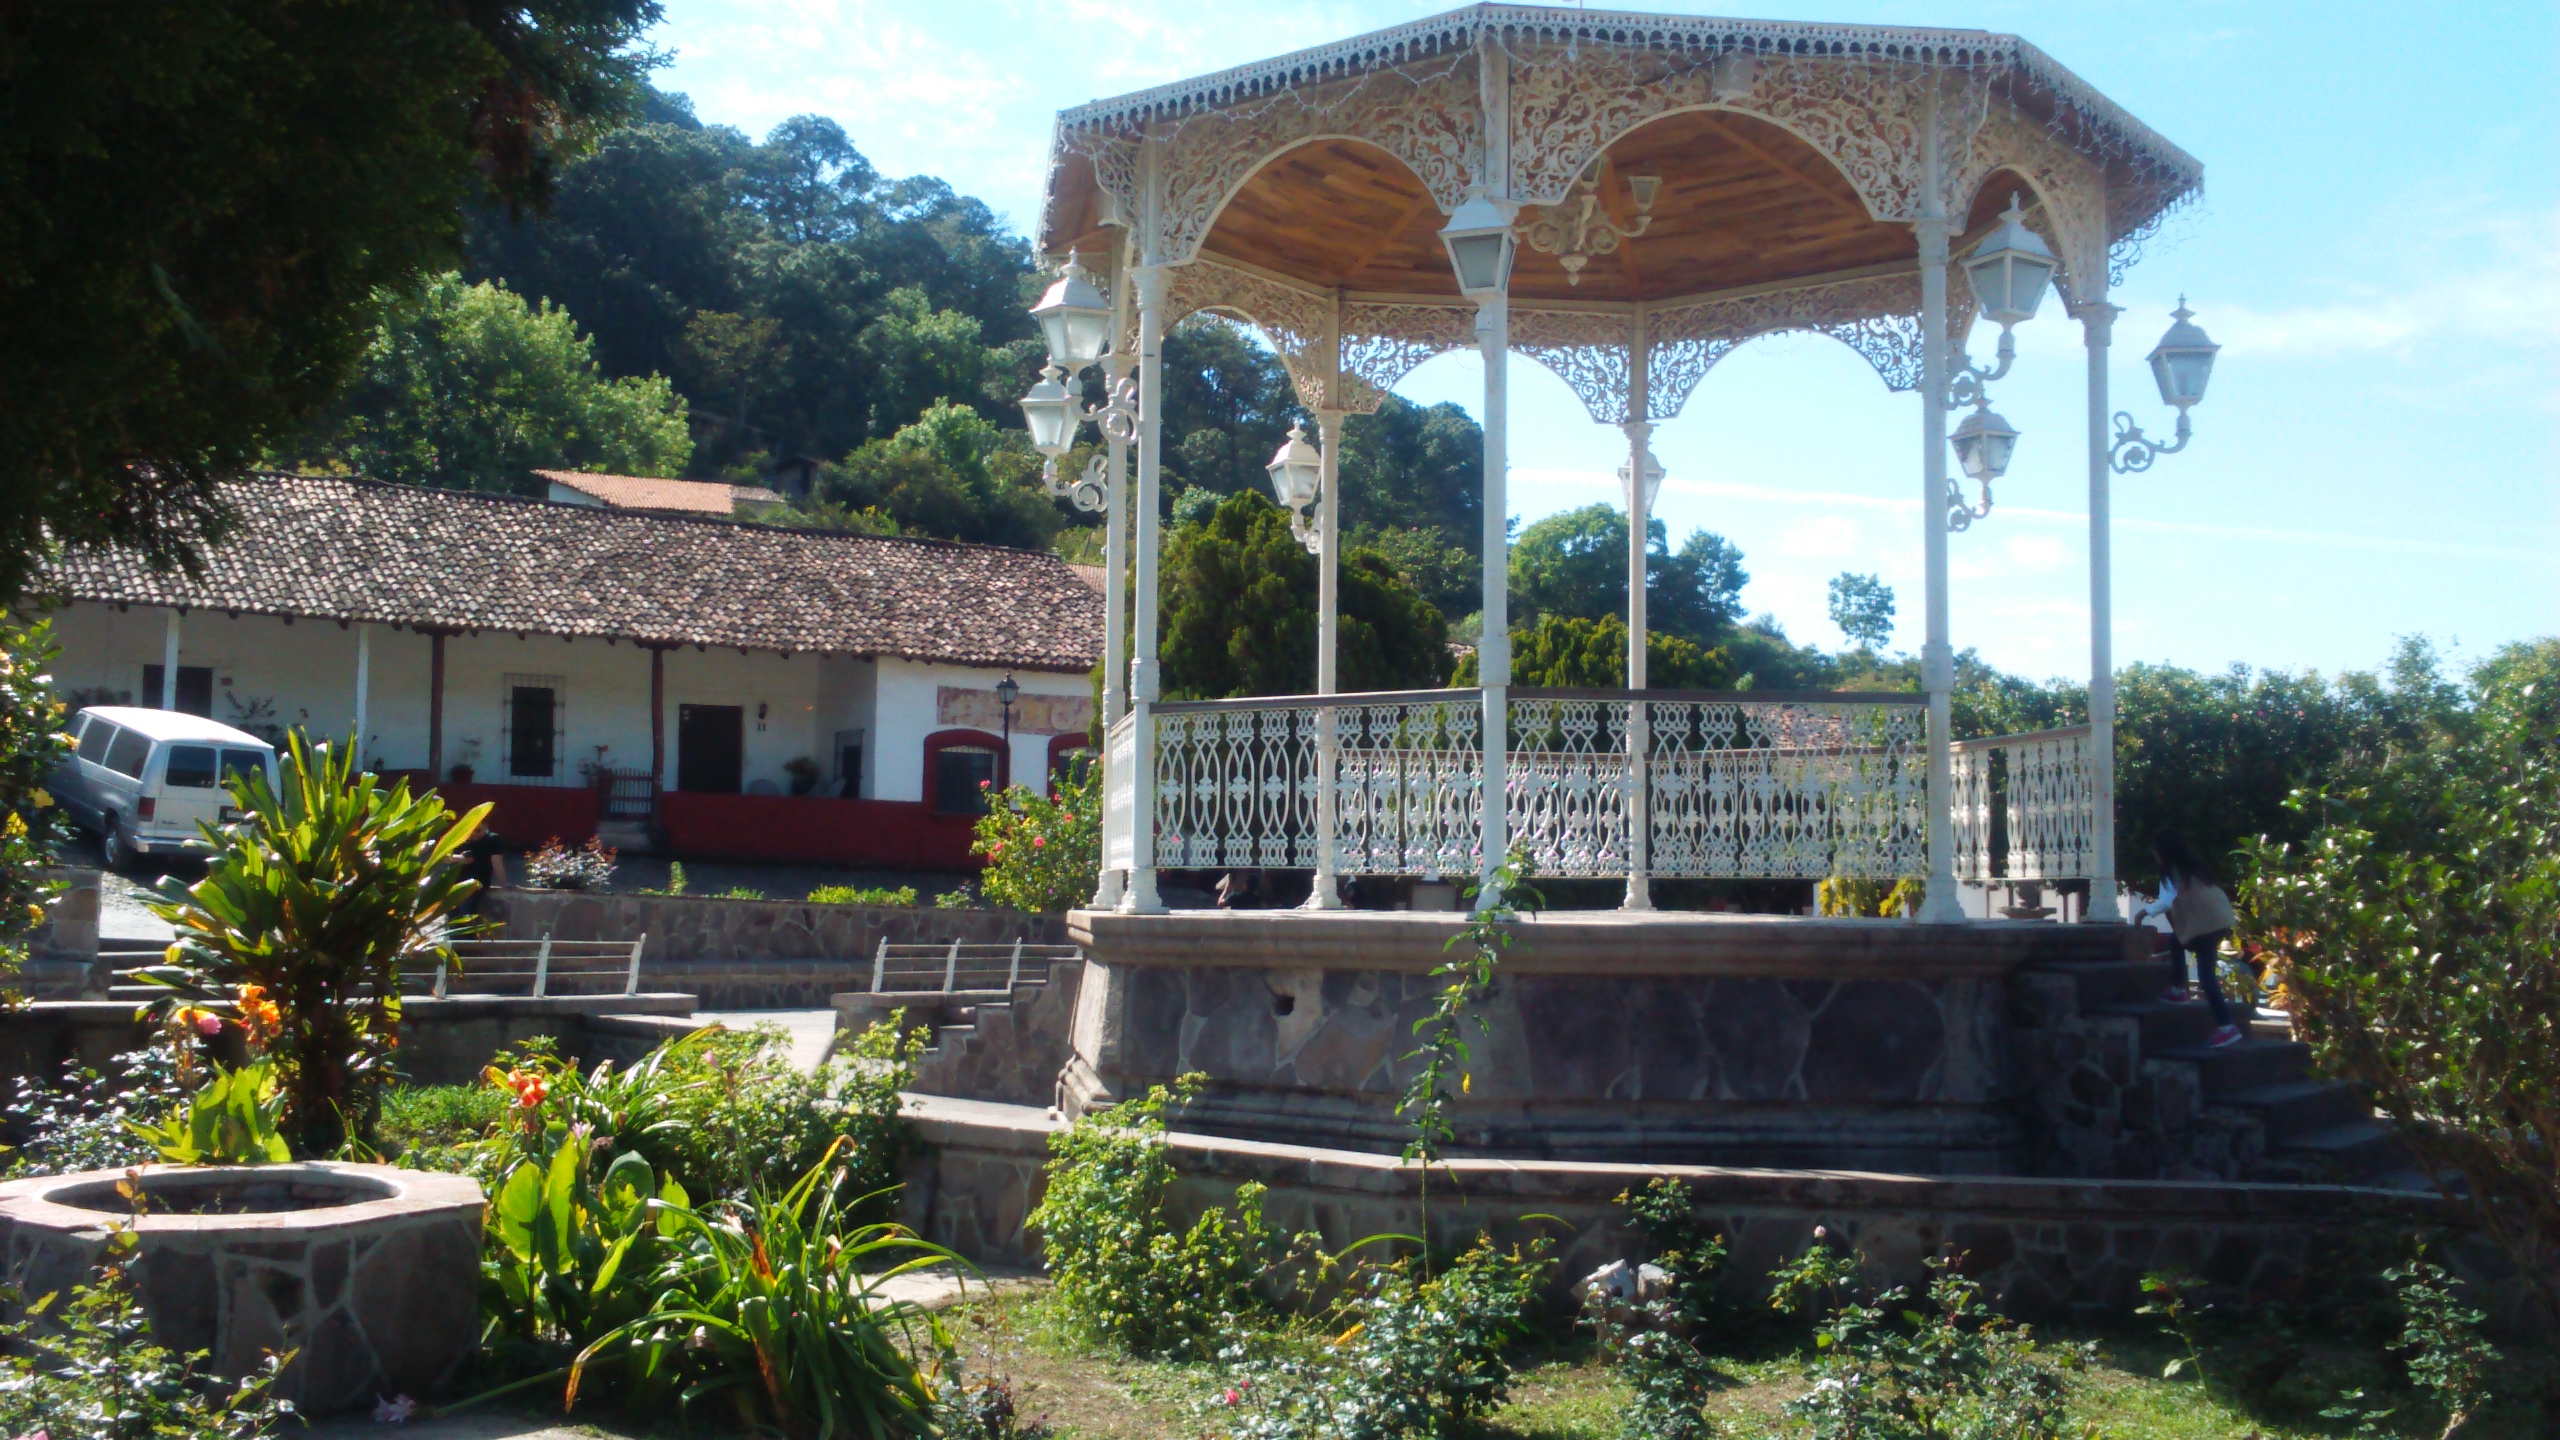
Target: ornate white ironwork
1788	789
1587	349
1383	342
1740	787
1290	318
2041	791
1878	316
1580	227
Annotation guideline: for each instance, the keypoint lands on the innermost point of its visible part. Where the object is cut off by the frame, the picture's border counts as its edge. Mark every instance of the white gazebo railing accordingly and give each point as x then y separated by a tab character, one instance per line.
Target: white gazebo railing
2026	806
1739	784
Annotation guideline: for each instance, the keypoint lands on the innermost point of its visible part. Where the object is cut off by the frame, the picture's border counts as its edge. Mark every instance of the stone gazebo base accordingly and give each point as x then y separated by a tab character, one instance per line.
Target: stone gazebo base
1608	1036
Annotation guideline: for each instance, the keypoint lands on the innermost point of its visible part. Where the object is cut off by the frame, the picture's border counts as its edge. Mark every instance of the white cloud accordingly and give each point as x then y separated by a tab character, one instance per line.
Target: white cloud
2034	552
1824	538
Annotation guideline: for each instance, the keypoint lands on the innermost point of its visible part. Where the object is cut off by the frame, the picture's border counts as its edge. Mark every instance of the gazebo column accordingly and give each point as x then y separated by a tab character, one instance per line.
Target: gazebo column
1493	646
2097	325
1115	614
1639	786
1937	657
1145	686
1327	894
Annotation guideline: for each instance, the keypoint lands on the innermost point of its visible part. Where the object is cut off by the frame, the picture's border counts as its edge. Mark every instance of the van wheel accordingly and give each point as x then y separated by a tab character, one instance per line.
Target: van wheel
114	848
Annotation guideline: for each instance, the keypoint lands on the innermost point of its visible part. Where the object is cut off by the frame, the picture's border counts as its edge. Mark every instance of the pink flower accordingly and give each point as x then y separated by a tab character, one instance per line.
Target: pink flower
208	1023
1039	842
1230	1398
394	1412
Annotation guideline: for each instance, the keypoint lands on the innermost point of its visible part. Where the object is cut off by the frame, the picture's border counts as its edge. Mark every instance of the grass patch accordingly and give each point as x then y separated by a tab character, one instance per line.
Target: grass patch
1566	1392
425	1120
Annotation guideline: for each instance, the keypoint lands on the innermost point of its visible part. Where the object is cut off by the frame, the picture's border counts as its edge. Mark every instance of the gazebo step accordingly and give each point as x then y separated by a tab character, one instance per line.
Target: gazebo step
2291	1108
2228	1069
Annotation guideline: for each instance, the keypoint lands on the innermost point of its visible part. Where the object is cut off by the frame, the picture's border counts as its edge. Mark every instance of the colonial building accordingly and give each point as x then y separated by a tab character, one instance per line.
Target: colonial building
745	691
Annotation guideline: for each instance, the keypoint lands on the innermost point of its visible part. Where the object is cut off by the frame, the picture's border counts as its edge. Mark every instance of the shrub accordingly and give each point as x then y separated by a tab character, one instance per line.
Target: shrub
2418	939
1044	852
773	1307
1958	1370
32	742
588	867
230	1120
1119	1270
317	897
1649	1322
718	1110
1414	1354
85	1368
903	897
958	897
85	1121
570	1254
437	1126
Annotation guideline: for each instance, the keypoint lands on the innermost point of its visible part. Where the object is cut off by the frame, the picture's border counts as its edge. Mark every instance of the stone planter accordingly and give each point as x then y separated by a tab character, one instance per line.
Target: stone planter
371	1274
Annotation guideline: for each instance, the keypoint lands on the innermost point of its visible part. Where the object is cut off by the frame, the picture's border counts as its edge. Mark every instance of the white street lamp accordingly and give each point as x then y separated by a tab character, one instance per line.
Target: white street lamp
1074	319
2010	270
2181	364
1984	443
1049	413
1652	480
1297	472
1480	241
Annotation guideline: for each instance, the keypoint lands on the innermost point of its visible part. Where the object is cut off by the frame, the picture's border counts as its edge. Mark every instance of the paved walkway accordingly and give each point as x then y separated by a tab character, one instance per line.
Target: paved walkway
811	1030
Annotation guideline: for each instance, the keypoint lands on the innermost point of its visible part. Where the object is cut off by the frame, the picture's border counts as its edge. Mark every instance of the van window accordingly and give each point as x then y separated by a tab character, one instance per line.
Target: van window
236	763
95	740
127	754
190	767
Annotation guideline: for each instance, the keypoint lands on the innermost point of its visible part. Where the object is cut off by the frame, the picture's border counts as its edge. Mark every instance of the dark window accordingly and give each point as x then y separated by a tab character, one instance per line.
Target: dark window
710	748
533	730
849	769
190	767
962	778
126	756
195	689
95	740
236	763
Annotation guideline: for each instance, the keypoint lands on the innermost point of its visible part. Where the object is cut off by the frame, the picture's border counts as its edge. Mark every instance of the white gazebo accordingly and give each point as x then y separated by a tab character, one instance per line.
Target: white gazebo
1624	198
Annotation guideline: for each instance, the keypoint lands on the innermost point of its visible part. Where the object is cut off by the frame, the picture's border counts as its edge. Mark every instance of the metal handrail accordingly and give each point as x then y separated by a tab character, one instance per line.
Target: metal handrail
2023	737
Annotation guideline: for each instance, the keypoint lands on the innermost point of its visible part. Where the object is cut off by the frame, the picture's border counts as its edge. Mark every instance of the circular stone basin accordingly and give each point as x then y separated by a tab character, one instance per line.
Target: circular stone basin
370	1274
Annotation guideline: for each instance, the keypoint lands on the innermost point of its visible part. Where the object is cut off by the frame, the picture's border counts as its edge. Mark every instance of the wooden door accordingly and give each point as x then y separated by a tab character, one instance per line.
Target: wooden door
710	748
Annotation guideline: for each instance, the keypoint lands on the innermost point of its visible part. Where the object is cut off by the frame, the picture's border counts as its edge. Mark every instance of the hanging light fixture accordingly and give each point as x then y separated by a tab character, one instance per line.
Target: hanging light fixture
1984	443
1480	242
1048	412
1074	318
2010	270
1297	473
1652	479
2183	360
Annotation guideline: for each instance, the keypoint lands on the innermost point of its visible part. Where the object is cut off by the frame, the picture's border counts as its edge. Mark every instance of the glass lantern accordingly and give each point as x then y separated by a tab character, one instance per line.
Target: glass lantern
1480	241
2183	360
1074	319
1984	443
1297	471
1048	412
2010	270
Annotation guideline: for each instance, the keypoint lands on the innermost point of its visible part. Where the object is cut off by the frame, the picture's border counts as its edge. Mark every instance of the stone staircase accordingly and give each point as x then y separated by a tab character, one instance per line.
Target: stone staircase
2122	1085
1004	1045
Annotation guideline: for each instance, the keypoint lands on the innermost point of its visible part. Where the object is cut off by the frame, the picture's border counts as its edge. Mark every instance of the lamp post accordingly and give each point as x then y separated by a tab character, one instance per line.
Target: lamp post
1075	320
2180	365
1481	244
1297	473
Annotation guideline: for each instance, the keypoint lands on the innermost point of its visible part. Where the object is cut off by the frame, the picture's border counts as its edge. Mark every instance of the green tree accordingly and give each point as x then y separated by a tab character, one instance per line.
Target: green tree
2419	932
1239	612
1574	564
32	742
1574	654
206	203
871	285
1413	467
951	475
468	387
1862	606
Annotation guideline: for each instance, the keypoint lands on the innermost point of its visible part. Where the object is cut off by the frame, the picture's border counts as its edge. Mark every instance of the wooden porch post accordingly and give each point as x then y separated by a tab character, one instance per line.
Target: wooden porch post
657	718
435	707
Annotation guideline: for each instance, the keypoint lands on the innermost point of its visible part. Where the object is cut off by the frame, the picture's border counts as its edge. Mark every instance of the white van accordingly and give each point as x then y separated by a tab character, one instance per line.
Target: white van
142	779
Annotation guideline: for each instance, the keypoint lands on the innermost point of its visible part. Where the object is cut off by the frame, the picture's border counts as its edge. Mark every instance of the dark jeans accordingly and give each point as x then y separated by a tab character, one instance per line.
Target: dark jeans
2207	949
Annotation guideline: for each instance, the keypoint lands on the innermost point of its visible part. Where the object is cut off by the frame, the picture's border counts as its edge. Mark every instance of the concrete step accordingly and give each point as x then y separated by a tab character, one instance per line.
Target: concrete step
2165	1027
2114	982
2244	1066
2357	1150
2290	1108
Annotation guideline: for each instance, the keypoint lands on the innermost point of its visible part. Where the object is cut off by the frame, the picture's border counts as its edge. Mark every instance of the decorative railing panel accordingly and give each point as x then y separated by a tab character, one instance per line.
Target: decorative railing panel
1744	786
1789	787
2025	806
1120	794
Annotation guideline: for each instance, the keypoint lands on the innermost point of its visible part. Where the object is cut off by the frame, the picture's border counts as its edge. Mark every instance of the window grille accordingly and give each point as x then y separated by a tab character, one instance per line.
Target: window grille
535	730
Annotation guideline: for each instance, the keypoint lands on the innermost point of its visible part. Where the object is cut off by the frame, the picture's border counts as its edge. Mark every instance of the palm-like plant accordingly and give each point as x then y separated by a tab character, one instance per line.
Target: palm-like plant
318	895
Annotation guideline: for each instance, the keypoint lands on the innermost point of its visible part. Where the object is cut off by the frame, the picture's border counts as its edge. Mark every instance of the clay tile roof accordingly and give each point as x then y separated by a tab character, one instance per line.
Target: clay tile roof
333	548
644	492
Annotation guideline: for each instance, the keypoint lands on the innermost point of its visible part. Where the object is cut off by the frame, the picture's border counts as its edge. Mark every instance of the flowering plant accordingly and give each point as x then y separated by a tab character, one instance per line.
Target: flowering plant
1044	852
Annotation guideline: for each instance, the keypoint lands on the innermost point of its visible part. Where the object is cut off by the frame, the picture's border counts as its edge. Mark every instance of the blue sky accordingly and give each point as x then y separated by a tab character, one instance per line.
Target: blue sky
2378	252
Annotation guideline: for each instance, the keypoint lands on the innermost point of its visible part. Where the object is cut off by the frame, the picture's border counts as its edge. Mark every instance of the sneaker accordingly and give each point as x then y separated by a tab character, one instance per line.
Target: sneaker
2174	995
2226	1035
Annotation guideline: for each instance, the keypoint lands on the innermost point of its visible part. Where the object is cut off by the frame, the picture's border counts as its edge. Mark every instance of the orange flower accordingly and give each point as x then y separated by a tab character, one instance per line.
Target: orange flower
260	1016
530	1086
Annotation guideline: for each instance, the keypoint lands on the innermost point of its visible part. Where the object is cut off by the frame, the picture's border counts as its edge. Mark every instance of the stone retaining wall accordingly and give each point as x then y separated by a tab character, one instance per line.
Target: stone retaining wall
687	930
2043	1248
